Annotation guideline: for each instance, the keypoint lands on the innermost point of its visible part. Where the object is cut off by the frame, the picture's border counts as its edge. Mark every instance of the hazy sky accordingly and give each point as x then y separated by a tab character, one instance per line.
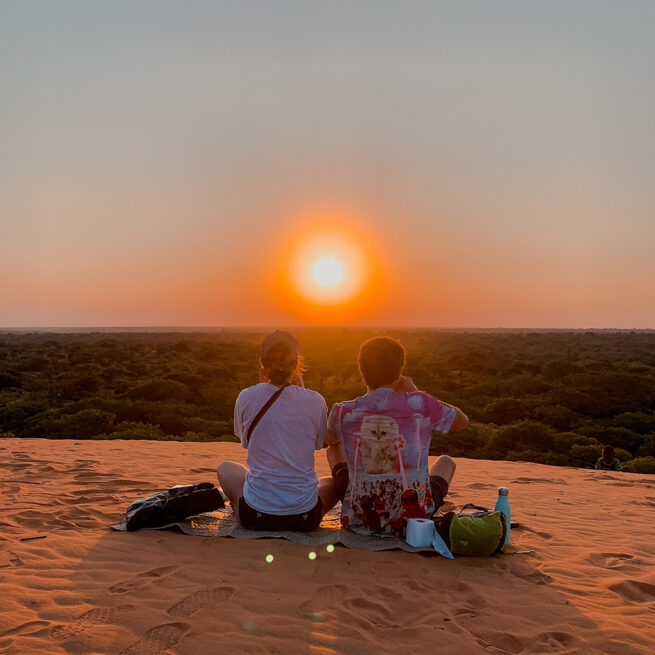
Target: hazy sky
494	162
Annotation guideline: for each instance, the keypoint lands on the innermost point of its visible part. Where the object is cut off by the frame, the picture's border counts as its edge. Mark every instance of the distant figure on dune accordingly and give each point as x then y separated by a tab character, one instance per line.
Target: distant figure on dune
281	424
608	462
378	445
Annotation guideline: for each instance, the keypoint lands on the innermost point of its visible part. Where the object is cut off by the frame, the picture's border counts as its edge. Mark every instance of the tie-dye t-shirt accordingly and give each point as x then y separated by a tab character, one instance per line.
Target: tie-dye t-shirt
386	437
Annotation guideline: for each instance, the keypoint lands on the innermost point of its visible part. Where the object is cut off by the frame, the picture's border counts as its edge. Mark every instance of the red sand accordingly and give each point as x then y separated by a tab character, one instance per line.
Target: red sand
82	588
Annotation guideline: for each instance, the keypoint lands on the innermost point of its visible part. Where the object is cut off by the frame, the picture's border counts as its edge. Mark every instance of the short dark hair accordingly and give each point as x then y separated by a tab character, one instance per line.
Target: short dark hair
608	449
381	361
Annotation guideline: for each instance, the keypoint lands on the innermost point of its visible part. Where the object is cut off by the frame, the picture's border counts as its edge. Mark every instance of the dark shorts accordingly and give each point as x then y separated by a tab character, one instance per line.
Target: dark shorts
439	488
305	522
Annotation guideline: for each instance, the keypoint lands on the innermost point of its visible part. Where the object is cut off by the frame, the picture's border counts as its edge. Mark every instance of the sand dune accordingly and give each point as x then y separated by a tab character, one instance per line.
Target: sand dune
69	584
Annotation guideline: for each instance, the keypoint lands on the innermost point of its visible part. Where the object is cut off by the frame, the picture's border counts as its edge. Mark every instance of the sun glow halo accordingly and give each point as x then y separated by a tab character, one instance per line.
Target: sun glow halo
328	271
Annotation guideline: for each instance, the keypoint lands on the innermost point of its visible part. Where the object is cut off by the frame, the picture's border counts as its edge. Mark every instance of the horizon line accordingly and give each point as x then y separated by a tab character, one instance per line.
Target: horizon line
260	328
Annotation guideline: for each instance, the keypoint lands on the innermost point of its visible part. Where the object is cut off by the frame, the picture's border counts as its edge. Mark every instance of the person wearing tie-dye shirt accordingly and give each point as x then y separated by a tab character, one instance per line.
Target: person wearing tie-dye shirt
378	445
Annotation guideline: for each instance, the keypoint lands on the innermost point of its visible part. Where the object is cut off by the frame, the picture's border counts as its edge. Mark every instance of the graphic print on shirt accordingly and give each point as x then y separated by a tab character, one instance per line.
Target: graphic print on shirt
388	484
380	443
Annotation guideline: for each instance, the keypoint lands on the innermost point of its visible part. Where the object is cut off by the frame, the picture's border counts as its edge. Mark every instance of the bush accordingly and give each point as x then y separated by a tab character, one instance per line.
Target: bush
214	429
616	437
523	435
506	410
558	397
537	456
647	446
582	440
635	422
556	370
640	465
623	455
471	442
171	422
83	386
584	456
164	390
81	425
529	384
136	430
557	416
14	414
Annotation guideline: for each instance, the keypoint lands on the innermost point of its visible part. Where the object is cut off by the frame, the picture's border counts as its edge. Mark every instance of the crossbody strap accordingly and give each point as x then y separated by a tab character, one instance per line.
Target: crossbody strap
263	411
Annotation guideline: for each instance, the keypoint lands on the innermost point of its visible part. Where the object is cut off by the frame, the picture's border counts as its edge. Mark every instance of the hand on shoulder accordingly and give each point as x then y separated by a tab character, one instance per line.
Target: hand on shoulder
405	384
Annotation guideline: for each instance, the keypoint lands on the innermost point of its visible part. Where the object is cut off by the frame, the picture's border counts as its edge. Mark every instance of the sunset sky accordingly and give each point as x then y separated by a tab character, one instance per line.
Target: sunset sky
468	164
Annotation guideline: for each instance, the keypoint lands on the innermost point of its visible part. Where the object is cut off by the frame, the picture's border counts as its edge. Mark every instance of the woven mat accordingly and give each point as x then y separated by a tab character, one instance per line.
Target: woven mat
224	524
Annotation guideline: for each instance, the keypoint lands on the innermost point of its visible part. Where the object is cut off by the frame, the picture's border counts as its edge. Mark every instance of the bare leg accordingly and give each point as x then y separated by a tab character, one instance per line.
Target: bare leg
232	477
327	493
336	458
444	467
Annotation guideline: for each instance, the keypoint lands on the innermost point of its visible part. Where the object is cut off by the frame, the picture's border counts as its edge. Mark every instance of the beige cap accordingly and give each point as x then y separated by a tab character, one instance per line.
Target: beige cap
279	336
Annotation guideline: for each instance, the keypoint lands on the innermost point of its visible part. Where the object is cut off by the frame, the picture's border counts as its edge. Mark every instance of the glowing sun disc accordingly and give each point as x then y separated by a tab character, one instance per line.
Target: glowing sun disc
327	271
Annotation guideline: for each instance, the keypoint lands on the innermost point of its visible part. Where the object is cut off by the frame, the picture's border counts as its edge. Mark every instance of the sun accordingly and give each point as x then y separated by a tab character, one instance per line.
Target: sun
328	271
327	268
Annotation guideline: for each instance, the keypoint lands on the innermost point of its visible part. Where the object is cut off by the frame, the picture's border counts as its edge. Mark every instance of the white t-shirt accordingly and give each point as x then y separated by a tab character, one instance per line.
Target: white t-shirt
281	478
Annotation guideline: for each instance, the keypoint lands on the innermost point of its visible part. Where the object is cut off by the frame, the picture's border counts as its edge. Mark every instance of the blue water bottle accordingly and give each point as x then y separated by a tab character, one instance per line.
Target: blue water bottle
502	505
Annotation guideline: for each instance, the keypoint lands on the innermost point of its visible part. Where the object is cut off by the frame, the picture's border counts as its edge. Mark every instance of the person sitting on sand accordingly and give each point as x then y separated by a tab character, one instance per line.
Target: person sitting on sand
608	462
378	445
279	490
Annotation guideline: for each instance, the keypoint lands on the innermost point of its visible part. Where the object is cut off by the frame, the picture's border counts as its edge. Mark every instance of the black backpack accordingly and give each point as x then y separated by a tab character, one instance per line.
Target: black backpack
173	505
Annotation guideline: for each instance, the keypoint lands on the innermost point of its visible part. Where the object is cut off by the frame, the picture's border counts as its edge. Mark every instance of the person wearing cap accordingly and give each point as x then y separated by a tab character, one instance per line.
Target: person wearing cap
279	489
608	462
378	445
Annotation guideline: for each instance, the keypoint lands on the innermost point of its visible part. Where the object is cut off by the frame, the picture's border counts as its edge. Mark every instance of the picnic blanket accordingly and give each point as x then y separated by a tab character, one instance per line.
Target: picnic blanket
223	523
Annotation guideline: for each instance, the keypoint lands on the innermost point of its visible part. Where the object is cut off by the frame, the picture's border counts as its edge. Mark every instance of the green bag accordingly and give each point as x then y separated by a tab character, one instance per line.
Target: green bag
481	535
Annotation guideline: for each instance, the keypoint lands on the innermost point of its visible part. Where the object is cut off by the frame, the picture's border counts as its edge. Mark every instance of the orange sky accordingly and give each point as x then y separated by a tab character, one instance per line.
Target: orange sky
172	170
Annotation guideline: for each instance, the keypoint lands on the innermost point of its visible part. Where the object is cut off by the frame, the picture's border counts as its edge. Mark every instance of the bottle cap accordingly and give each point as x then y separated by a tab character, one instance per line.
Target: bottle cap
503	491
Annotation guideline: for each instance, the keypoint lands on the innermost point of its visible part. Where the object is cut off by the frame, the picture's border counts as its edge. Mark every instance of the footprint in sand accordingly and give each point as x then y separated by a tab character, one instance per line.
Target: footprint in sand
417	585
157	639
389	594
199	599
142	579
53	468
610	560
369	613
635	590
480	485
94	617
25	628
538	480
648	501
9	489
554	641
469	601
324	598
14	560
503	641
534	577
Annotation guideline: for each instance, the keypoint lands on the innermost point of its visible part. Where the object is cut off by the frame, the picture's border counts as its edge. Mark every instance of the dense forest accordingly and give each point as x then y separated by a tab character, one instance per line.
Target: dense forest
548	397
